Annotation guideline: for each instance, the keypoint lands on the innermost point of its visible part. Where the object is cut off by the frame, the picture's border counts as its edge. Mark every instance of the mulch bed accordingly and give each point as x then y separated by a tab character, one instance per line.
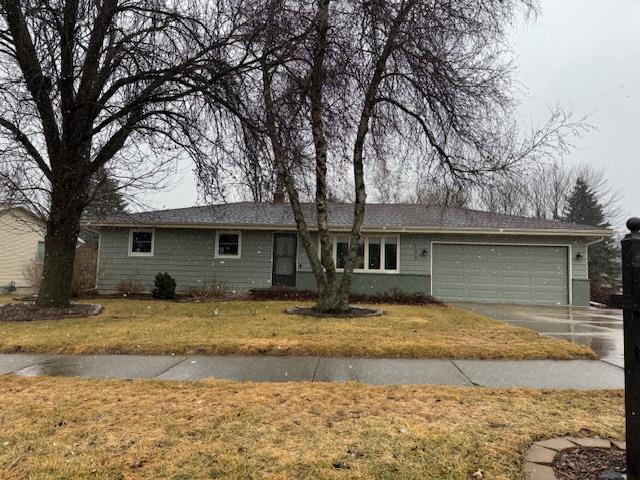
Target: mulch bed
29	312
588	463
352	313
392	297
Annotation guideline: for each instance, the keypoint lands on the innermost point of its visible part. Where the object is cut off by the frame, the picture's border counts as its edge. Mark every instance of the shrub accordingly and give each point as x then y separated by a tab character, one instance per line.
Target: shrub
210	291
165	287
33	273
130	287
396	297
602	293
84	271
391	297
281	293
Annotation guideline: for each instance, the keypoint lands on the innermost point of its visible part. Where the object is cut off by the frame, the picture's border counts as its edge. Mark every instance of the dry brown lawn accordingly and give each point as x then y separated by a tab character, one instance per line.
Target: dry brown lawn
88	429
252	328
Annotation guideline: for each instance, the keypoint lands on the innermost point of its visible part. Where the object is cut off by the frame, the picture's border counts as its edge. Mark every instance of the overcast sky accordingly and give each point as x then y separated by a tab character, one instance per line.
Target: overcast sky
584	54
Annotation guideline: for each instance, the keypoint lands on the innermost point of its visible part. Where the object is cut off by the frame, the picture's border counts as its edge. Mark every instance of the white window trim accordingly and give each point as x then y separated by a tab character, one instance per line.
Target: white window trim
153	242
366	269
217	254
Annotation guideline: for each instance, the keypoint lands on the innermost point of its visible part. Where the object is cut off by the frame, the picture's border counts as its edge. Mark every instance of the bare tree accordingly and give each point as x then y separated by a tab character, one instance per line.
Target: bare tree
345	85
542	192
123	85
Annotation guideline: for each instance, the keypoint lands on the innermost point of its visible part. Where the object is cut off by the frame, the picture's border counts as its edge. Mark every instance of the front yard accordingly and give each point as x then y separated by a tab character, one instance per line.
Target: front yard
252	328
84	429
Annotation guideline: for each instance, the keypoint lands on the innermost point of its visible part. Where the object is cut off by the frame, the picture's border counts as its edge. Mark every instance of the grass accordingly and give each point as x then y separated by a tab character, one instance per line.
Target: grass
253	328
114	430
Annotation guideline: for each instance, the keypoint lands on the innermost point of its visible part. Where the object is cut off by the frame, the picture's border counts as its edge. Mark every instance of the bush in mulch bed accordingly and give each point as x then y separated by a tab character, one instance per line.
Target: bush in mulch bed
29	312
392	297
397	298
353	312
588	463
280	294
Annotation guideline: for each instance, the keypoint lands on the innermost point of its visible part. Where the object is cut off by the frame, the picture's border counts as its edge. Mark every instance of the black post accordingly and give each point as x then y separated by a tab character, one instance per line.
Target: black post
631	291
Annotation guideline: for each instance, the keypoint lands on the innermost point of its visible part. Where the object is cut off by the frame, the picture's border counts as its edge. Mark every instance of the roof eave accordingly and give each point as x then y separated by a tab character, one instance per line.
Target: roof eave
441	230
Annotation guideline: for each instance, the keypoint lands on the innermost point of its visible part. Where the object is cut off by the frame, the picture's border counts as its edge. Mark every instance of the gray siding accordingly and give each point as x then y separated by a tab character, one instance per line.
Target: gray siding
581	292
187	255
373	283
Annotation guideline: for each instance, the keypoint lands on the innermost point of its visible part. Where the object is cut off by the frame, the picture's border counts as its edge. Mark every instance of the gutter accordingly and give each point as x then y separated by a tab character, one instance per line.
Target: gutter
465	231
601	239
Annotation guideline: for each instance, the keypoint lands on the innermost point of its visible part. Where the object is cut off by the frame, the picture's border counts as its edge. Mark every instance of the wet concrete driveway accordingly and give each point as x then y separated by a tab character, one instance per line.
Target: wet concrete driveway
600	329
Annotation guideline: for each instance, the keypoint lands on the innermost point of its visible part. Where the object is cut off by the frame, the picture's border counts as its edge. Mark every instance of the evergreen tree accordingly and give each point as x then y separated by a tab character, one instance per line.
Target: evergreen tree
107	198
584	207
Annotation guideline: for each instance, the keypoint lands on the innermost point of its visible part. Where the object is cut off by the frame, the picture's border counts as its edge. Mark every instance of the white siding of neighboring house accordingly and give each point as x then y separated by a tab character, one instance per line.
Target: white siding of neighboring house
19	237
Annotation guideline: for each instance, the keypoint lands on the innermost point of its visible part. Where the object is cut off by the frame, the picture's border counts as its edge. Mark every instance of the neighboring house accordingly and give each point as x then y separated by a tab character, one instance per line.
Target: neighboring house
21	243
451	253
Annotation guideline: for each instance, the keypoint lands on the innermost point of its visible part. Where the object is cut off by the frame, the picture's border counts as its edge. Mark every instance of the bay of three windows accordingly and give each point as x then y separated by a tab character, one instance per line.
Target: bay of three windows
375	253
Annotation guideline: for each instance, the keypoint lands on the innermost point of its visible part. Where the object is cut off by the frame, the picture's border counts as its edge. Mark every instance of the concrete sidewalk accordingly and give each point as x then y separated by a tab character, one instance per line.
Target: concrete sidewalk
568	374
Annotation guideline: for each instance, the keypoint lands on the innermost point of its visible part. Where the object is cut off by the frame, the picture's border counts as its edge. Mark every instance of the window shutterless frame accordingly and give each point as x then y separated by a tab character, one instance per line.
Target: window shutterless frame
365	239
217	253
153	242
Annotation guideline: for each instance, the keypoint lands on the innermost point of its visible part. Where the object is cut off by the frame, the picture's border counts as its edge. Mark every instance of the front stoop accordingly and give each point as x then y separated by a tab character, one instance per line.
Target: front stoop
540	456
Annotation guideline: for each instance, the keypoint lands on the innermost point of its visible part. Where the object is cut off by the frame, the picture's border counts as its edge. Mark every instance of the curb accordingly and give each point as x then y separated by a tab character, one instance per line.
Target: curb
540	455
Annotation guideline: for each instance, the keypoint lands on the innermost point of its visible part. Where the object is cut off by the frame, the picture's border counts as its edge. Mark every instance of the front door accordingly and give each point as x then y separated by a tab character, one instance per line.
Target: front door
284	259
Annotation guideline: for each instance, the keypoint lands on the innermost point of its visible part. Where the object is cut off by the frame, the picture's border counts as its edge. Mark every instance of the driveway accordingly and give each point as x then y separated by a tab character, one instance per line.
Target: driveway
600	329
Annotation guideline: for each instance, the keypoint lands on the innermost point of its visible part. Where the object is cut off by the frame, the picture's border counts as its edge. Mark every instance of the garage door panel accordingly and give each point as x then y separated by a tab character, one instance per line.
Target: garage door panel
500	273
481	279
515	283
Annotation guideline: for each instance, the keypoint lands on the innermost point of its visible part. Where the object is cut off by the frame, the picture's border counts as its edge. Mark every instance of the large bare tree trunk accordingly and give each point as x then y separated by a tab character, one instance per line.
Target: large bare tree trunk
330	298
60	247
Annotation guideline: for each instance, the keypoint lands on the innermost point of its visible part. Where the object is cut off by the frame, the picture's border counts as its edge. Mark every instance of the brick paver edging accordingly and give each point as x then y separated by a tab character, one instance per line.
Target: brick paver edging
540	456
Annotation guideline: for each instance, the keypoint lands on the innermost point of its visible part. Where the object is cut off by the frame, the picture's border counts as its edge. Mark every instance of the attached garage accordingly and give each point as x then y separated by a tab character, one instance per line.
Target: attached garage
527	274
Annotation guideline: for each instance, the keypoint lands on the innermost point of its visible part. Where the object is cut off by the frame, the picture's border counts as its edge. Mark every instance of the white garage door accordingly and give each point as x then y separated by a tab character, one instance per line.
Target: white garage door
500	273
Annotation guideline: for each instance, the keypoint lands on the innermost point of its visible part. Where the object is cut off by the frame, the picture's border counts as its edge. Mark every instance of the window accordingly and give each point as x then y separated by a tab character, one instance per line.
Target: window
375	254
40	251
228	244
390	253
141	243
361	252
342	251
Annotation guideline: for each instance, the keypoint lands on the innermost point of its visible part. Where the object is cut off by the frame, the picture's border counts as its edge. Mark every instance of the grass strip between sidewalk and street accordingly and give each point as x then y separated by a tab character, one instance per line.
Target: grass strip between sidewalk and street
63	428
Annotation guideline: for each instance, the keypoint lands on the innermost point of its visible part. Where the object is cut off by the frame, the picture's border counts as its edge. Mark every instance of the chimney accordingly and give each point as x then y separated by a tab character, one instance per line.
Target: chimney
278	198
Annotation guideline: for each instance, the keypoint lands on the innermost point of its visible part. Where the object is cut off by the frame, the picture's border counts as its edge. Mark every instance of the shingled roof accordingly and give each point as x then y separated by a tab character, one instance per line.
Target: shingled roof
391	217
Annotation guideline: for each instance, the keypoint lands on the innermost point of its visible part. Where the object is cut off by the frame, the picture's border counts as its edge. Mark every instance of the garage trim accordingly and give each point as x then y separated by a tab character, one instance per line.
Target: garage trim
567	245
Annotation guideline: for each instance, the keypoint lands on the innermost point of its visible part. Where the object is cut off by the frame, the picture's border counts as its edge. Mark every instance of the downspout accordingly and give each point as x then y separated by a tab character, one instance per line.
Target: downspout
97	232
601	239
